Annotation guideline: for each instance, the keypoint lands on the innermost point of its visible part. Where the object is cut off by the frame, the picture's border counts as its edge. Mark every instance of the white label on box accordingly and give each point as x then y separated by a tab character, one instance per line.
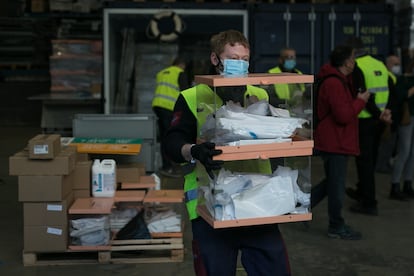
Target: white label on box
54	231
54	207
41	149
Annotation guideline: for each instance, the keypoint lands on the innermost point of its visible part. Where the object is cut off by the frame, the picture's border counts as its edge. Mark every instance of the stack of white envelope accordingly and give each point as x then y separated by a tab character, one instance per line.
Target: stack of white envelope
242	196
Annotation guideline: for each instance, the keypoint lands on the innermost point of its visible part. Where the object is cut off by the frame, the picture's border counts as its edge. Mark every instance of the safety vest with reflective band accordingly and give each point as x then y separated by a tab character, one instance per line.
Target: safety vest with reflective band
168	89
376	81
393	77
201	100
282	89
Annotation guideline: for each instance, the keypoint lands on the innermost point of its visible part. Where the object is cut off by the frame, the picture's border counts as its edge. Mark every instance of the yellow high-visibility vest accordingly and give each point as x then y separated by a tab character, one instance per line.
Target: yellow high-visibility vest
376	81
168	89
282	89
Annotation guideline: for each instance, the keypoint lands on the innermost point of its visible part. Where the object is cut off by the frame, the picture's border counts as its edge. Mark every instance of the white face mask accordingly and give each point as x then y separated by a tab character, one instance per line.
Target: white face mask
396	69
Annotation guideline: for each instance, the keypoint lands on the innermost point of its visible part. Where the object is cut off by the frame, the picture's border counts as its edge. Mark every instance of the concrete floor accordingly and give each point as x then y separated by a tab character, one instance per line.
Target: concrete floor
386	247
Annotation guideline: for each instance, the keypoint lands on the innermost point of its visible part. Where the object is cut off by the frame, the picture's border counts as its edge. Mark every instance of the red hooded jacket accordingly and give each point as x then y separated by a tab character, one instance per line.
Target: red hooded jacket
338	109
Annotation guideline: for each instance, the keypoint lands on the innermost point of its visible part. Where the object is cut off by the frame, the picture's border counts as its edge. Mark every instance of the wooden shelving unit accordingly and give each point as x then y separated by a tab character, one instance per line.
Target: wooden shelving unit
170	243
299	146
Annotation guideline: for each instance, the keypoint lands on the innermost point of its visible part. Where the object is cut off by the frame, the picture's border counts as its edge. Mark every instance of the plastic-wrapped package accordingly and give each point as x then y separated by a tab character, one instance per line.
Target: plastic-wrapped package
232	123
90	231
301	197
268	199
163	221
240	196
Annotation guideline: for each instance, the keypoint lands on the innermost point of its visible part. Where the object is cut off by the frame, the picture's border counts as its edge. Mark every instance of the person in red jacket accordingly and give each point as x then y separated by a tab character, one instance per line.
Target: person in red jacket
336	136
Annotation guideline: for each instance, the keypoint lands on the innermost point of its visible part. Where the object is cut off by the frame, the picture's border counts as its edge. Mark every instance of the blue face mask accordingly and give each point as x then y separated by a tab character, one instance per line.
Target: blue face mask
235	67
289	64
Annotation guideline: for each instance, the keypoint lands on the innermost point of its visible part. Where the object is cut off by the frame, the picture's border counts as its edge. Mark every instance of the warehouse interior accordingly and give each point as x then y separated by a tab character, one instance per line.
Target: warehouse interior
123	55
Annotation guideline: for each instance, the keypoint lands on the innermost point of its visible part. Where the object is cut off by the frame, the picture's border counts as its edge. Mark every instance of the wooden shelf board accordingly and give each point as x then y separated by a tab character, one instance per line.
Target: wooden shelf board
253	79
137	185
92	205
265	151
205	214
165	196
147	179
144	182
129	196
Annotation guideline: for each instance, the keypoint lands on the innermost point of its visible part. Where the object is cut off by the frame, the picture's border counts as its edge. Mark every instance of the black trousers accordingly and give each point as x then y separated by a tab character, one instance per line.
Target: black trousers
164	120
369	137
332	186
262	250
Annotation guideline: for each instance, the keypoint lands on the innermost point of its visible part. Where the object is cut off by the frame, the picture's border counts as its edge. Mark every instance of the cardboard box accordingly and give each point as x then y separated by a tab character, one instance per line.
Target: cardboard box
81	193
44	146
47	213
45	238
63	164
141	168
81	156
82	175
45	187
129	172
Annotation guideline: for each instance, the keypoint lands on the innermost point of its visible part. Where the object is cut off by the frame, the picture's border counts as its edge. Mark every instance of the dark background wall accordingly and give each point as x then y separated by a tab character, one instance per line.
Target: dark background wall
312	29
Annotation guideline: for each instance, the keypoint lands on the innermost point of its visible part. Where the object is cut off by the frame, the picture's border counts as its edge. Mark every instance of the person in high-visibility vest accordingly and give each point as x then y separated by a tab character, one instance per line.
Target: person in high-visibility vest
283	93
369	74
169	82
215	251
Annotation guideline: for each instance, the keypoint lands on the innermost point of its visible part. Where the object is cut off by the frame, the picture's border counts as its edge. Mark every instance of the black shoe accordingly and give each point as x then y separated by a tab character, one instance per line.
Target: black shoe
408	193
366	210
353	193
395	194
408	189
344	233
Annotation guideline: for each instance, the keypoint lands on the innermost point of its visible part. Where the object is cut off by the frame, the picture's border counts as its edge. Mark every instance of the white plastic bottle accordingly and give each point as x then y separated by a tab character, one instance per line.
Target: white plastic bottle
103	178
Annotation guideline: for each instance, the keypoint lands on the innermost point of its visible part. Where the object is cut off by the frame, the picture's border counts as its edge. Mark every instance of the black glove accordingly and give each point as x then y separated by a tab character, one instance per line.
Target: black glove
204	153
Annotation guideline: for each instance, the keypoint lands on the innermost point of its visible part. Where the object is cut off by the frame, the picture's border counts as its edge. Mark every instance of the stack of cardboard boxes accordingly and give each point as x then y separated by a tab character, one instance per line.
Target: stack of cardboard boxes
51	177
46	174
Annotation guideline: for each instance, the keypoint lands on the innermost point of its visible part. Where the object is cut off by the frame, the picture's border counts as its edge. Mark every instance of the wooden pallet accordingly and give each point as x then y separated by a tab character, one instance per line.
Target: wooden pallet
119	252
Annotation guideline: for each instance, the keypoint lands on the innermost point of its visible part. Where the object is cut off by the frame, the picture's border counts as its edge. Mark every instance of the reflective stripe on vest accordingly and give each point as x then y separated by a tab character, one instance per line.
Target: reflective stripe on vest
190	195
376	81
191	95
168	89
282	89
169	85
